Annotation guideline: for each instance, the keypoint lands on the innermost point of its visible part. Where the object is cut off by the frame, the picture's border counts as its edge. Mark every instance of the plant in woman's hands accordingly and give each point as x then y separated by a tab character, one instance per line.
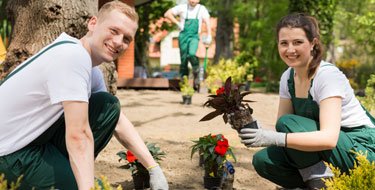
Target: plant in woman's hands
229	102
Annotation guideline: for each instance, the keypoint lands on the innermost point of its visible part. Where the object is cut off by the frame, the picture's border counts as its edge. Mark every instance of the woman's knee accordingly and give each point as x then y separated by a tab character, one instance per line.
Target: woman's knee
283	121
259	163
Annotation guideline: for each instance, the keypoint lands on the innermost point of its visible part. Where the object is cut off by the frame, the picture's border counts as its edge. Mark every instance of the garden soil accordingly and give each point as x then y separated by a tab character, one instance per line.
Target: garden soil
160	118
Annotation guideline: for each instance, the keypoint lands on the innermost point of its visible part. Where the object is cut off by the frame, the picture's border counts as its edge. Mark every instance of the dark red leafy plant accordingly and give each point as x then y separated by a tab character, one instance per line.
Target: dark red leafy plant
230	100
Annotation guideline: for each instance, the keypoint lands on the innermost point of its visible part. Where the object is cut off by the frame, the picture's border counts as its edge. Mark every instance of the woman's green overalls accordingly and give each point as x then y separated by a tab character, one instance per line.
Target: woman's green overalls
280	165
188	42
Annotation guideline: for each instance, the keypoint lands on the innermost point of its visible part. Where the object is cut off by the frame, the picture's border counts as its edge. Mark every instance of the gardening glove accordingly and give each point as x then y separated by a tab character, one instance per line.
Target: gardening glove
207	40
157	178
261	137
180	26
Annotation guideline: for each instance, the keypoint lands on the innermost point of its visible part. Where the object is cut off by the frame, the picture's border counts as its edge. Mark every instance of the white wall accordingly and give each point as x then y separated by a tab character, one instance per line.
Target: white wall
168	54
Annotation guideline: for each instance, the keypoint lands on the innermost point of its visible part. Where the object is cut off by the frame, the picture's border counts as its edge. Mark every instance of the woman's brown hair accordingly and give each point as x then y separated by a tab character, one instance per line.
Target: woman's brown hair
310	25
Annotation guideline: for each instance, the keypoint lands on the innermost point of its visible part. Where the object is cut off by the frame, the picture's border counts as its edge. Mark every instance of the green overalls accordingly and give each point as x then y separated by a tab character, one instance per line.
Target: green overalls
188	42
44	163
280	165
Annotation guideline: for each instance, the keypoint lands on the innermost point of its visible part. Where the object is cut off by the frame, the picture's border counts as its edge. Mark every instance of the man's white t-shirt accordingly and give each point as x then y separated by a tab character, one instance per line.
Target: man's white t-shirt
329	81
31	100
180	10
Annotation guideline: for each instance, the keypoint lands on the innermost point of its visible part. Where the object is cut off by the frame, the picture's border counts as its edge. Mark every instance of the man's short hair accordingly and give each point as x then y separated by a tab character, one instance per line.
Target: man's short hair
120	6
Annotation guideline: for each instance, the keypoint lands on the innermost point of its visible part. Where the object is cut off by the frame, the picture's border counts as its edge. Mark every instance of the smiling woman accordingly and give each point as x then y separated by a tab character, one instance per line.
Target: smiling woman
319	117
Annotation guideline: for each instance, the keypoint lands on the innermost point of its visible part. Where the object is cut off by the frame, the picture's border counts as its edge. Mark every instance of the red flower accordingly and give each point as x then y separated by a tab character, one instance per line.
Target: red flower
220	91
130	157
222	146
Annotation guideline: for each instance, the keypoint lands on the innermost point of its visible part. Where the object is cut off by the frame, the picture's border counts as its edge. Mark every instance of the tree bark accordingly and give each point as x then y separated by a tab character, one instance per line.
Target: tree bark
224	34
37	23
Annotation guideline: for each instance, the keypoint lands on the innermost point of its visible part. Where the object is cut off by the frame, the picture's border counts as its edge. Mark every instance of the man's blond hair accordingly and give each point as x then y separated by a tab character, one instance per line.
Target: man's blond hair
120	6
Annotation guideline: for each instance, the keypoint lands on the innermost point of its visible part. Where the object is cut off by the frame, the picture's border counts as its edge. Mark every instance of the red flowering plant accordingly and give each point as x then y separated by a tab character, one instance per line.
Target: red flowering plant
229	101
132	162
215	151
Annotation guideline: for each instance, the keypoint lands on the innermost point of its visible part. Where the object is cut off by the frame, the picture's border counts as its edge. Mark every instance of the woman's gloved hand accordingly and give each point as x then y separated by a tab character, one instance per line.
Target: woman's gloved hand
157	179
261	137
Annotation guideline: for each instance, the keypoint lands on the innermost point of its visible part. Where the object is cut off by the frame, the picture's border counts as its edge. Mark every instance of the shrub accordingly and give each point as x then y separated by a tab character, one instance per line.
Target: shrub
369	100
217	74
4	183
362	176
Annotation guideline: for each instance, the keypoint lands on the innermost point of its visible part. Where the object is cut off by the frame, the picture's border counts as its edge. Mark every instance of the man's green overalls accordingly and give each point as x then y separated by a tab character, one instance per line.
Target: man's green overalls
280	165
188	41
44	163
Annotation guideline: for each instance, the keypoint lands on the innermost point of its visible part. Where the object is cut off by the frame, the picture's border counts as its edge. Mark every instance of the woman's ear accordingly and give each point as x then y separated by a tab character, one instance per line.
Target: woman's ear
314	42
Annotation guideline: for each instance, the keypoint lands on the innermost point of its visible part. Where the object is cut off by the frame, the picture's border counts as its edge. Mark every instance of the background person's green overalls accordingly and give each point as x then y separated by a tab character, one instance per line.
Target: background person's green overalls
280	165
188	42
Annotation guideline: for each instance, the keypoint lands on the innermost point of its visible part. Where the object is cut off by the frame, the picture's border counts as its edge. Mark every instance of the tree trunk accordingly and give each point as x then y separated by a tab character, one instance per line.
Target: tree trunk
224	34
37	23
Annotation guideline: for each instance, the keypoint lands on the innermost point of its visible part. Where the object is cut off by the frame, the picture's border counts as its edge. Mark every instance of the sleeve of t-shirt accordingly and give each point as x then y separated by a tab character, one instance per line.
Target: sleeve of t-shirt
205	13
329	83
97	81
69	74
283	89
177	10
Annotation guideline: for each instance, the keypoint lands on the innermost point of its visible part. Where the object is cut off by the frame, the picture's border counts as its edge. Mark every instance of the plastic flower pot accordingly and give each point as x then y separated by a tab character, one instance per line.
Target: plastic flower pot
212	182
186	100
242	119
141	180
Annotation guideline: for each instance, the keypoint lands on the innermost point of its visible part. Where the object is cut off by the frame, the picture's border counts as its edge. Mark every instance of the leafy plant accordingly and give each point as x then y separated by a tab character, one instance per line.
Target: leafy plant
217	74
228	99
215	150
103	184
185	87
362	176
132	162
13	186
369	100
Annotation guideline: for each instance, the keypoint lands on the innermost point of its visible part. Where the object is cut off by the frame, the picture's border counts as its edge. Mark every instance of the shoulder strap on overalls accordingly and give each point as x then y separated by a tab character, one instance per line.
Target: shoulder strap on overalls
32	59
291	83
196	17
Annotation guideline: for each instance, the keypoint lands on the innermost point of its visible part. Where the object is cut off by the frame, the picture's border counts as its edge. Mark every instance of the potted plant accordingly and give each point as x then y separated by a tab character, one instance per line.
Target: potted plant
187	90
228	101
215	150
141	177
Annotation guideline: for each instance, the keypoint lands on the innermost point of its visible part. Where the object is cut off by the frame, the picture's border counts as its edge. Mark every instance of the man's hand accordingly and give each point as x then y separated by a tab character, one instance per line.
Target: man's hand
260	137
180	26
207	40
157	179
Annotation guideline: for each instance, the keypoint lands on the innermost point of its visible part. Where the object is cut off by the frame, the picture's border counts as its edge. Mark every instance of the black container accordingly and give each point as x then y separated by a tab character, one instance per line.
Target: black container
212	182
141	181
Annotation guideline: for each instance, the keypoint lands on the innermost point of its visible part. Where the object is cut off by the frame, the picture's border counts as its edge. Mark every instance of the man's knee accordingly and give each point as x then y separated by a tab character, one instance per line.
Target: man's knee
104	102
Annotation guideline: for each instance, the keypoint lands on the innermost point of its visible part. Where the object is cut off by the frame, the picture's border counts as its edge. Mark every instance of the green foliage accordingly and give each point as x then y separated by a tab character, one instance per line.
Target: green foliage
362	176
354	24
207	146
217	74
149	13
369	100
185	87
13	186
132	162
323	10
103	184
5	25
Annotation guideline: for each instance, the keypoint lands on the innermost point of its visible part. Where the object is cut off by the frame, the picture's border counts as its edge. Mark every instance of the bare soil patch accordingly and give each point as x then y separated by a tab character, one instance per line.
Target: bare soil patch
160	118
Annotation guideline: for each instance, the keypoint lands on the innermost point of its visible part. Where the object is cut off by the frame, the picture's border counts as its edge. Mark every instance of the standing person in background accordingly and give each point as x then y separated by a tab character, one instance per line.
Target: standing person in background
319	117
3	51
191	16
53	127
